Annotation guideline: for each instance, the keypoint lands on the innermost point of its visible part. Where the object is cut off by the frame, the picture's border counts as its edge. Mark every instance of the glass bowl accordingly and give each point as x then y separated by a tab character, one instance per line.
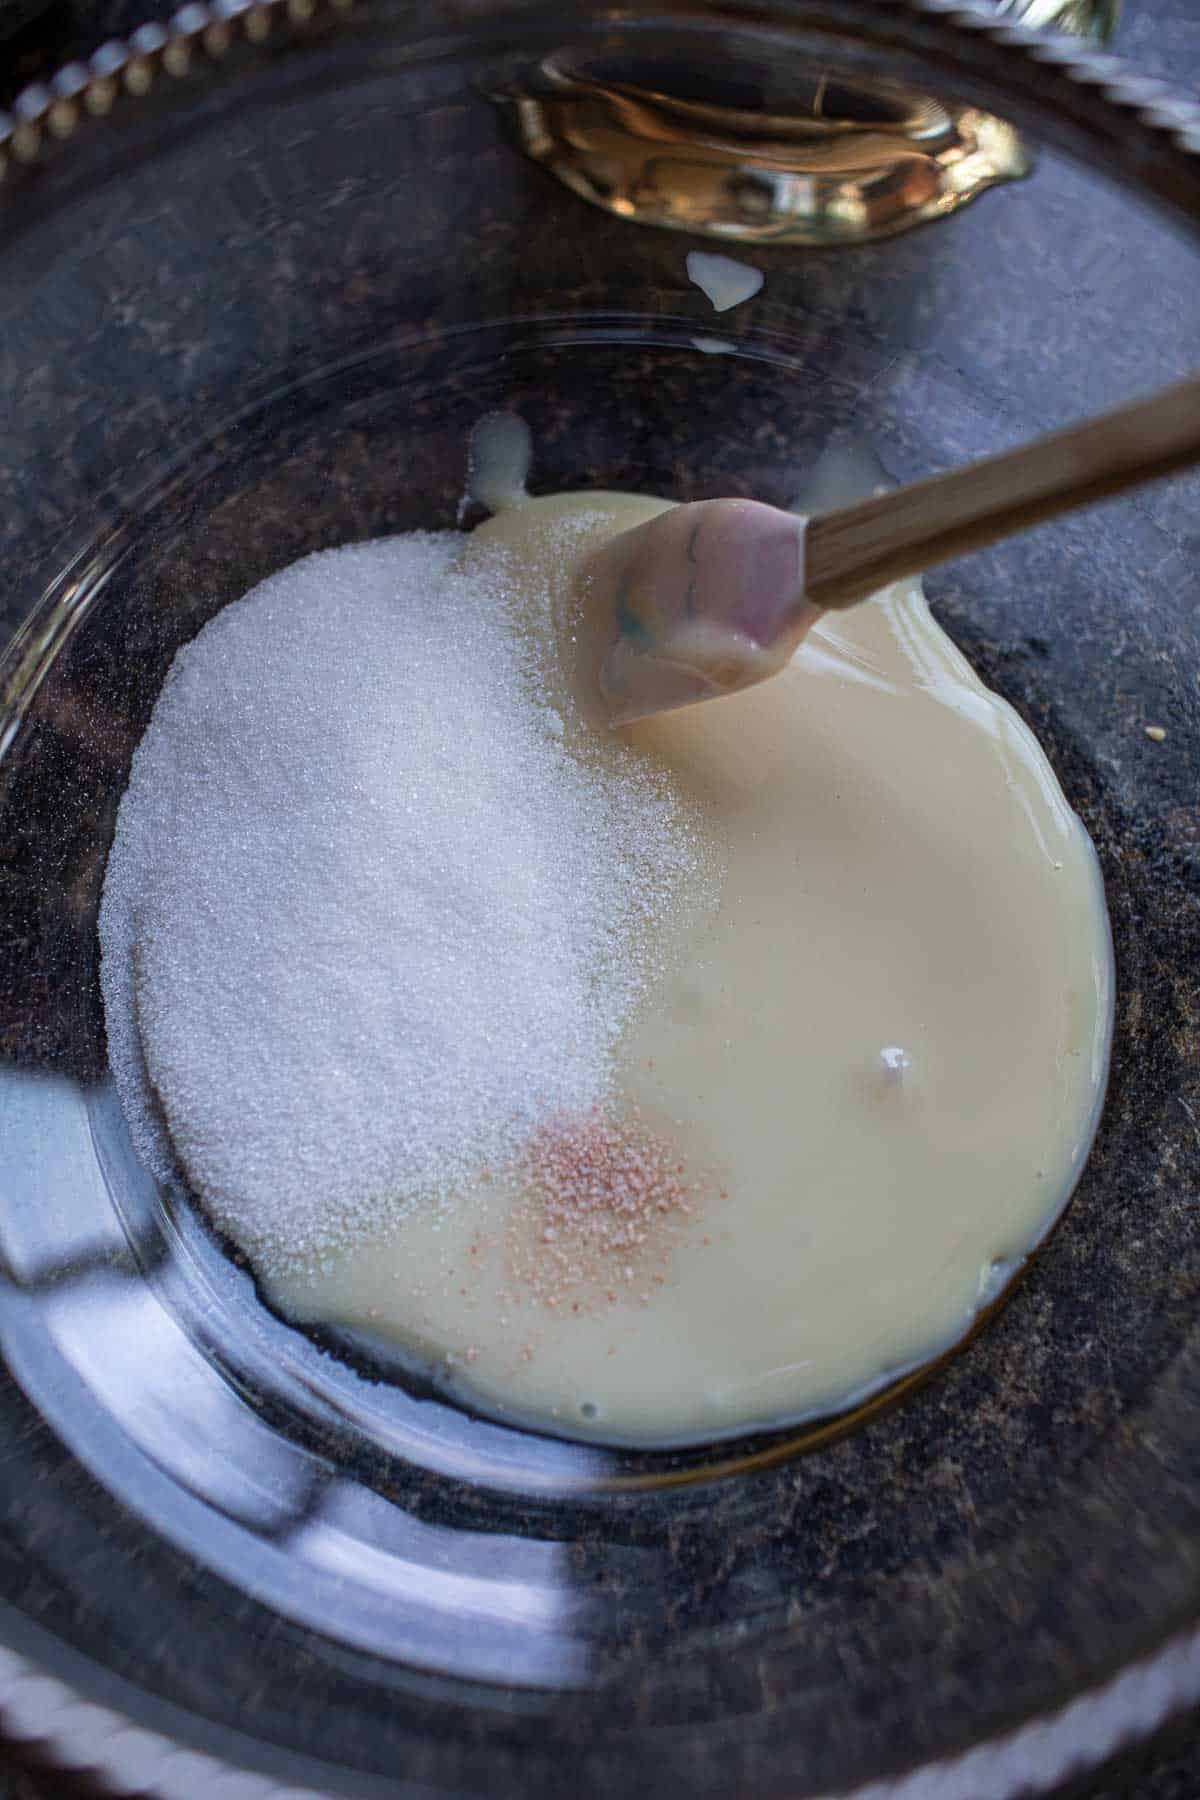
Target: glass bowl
261	270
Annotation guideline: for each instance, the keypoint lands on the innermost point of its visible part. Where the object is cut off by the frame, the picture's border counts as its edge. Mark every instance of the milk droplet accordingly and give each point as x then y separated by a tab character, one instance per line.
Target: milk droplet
722	280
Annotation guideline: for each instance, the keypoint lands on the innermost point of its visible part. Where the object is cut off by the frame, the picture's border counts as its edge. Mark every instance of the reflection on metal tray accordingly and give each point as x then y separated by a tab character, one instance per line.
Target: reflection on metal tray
719	140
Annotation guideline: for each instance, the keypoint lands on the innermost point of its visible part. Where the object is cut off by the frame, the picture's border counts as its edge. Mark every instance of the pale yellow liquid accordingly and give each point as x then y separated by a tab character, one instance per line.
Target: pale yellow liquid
899	873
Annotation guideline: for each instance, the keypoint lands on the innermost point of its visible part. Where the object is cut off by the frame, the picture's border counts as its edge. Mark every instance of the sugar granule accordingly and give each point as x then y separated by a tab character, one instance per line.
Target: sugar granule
368	920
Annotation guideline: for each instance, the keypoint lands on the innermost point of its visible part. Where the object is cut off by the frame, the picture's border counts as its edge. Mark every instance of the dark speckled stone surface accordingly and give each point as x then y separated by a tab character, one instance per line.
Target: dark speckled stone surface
1056	1386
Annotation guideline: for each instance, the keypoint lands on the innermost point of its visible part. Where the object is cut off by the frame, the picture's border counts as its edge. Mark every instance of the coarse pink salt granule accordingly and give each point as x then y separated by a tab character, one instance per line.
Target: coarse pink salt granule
605	1202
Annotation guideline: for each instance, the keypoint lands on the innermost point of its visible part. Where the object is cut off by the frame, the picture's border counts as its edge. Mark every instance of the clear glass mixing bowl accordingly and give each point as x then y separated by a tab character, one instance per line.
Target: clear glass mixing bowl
260	271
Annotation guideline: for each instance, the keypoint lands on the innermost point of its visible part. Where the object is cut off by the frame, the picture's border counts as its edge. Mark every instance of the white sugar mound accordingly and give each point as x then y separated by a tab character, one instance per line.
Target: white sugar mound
367	920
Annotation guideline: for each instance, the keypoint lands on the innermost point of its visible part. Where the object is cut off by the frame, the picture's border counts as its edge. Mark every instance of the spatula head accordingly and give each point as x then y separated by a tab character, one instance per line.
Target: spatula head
701	601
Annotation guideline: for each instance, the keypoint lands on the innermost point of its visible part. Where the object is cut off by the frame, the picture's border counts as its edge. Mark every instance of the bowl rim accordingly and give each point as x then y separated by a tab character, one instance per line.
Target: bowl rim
1087	102
1138	130
60	1725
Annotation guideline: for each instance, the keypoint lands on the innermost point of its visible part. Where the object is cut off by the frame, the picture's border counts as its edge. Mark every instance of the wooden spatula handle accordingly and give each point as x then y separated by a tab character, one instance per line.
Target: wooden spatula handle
856	551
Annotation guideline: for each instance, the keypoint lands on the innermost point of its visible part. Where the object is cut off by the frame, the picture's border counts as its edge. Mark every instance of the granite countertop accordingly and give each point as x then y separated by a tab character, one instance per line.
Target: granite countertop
1161	37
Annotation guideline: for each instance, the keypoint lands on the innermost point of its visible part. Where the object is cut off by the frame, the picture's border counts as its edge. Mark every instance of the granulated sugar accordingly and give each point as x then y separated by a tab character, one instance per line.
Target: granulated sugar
368	921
